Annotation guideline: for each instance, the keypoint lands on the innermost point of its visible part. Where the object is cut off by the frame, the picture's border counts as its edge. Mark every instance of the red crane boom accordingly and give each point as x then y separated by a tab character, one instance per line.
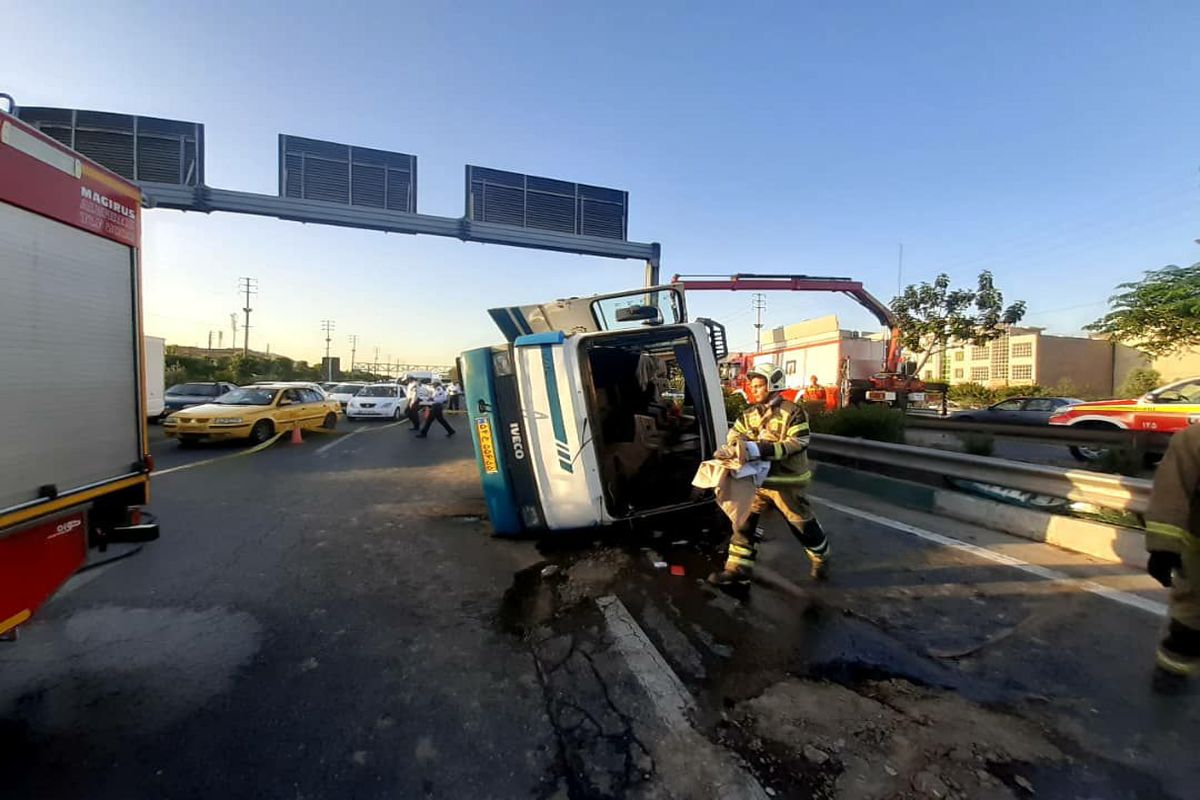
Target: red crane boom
755	282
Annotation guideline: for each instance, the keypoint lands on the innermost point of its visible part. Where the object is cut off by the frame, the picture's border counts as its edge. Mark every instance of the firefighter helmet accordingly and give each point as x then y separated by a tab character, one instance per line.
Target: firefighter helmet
772	374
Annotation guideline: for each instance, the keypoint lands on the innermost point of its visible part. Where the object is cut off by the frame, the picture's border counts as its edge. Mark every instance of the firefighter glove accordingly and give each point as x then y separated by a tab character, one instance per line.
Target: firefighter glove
724	452
1161	564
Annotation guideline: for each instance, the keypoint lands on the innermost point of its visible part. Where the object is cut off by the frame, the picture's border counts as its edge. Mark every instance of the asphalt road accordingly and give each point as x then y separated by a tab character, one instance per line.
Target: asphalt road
332	620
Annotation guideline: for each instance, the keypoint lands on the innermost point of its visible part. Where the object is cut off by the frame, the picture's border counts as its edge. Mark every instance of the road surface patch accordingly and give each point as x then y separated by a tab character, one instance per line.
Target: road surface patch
1116	595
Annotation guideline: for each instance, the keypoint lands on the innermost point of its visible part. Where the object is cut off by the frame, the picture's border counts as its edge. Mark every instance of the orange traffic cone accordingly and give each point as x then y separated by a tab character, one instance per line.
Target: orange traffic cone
296	437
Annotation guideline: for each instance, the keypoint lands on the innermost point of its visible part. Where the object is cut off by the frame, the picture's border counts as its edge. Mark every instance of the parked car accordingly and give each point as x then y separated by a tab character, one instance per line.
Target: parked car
186	395
253	412
1167	409
1018	410
302	384
386	400
342	392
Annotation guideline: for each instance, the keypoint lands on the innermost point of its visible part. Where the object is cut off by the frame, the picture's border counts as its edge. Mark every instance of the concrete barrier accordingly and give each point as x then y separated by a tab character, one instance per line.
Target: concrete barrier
1112	543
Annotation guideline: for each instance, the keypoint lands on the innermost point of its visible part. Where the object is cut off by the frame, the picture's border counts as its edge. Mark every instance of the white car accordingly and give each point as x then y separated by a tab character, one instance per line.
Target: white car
342	392
378	400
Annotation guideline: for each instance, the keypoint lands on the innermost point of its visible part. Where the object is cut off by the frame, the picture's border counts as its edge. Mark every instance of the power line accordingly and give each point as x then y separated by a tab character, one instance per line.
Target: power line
249	286
327	326
759	304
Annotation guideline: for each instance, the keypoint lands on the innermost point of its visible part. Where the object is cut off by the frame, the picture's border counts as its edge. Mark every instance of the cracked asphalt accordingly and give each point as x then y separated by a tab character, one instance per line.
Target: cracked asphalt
332	620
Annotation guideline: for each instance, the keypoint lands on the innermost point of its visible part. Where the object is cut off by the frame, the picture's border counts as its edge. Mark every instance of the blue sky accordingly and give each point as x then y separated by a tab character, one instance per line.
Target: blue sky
1053	143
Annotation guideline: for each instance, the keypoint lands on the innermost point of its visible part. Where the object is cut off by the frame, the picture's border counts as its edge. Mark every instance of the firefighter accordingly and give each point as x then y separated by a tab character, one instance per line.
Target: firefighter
1173	539
814	392
775	430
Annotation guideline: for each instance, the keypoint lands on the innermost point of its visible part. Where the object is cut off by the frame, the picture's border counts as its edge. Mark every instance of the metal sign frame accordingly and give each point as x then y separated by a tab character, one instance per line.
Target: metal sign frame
135	147
335	168
545	203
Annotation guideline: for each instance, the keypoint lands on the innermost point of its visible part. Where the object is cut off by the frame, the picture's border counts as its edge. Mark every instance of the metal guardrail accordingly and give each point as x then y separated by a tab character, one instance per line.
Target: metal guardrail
1146	441
1107	491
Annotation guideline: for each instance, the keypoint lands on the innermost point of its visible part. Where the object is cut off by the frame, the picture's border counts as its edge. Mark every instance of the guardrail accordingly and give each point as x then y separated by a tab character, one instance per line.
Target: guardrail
1146	441
1107	491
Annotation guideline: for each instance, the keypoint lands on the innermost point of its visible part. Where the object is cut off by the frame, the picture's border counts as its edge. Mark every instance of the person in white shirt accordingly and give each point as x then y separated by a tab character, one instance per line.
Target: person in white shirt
434	397
413	411
455	393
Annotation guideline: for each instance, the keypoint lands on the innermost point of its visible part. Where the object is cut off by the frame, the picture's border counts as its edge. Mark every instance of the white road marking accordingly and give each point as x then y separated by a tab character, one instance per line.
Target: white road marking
1116	595
327	447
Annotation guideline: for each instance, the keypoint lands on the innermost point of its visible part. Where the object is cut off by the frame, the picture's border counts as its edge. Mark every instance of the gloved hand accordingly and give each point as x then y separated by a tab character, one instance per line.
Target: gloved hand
1161	564
724	451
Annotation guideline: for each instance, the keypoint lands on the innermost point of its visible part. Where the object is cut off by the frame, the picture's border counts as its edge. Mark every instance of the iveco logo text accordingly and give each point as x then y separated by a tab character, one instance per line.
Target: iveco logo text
107	202
514	433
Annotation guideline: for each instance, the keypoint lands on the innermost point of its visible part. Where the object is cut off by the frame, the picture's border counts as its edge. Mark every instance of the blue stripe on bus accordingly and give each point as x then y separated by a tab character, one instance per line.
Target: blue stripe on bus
556	413
550	337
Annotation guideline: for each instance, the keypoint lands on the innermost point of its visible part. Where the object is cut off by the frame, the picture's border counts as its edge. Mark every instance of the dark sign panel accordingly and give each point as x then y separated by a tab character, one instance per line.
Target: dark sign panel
136	148
311	169
527	201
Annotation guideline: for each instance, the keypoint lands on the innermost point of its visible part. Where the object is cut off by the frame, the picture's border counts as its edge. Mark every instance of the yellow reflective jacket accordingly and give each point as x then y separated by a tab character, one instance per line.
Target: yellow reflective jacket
1173	520
780	429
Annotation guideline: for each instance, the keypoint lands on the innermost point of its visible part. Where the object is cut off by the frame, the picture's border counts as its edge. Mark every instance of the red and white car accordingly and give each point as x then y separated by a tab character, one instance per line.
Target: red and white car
1167	409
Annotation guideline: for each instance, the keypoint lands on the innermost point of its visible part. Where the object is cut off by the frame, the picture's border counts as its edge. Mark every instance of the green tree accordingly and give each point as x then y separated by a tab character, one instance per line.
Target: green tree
1159	314
931	315
1138	382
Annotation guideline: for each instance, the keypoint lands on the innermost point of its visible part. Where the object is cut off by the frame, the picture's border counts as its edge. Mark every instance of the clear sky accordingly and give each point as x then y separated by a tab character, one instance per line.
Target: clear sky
1055	143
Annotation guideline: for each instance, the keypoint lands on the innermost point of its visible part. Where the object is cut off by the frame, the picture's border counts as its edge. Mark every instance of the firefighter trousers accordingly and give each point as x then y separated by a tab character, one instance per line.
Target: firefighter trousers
793	505
1179	652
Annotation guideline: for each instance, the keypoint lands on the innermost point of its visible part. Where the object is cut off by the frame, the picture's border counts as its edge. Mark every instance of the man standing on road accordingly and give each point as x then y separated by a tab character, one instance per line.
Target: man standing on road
1173	539
454	392
435	400
413	409
774	430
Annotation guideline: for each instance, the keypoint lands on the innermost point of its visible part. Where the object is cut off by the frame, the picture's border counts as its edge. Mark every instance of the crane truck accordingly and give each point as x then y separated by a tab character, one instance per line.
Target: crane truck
889	385
75	465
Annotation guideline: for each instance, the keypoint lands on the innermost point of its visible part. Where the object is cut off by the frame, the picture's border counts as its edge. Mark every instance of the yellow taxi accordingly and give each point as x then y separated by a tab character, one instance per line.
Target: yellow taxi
254	412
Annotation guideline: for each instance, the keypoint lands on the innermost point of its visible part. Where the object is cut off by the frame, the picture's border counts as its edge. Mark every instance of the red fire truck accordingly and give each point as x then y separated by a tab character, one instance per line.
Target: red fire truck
889	385
74	466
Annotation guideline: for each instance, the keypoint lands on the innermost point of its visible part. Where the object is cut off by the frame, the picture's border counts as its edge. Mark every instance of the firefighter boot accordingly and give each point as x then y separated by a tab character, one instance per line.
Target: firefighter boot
816	544
739	564
1178	659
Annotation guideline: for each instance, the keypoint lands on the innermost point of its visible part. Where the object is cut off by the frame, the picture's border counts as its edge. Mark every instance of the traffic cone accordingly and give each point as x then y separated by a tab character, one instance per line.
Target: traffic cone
296	437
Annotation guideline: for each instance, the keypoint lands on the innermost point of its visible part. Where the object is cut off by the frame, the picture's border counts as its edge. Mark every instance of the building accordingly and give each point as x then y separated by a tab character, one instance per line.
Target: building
819	347
1031	356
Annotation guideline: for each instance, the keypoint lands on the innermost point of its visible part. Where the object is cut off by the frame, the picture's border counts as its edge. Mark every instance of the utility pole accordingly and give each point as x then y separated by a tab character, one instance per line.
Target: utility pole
327	326
353	349
233	324
210	344
249	286
759	305
220	340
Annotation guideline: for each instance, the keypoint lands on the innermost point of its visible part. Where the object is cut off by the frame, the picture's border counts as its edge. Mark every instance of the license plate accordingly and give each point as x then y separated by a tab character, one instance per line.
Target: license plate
917	397
877	395
487	445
